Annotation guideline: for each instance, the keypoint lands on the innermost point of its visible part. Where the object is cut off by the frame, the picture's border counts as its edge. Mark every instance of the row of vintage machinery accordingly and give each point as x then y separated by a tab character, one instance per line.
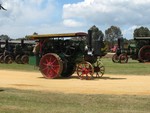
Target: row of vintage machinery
140	50
60	55
15	51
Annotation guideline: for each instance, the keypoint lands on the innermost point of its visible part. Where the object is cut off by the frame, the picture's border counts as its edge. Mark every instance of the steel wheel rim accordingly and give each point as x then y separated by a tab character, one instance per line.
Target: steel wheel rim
115	58
18	59
8	59
25	59
51	65
2	59
123	58
99	68
68	68
85	70
144	54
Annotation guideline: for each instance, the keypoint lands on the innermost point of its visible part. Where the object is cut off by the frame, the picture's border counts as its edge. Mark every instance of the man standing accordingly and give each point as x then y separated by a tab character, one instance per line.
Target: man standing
36	51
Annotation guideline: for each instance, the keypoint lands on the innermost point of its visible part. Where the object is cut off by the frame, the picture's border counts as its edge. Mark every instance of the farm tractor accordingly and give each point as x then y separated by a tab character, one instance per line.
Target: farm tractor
15	50
140	50
60	55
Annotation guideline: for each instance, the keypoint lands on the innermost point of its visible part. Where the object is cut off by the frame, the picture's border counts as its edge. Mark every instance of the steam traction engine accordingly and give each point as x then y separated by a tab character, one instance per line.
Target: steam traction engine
15	50
60	55
139	51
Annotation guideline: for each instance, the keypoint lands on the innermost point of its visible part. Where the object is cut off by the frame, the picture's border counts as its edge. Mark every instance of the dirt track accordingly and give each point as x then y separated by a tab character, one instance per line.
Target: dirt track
109	84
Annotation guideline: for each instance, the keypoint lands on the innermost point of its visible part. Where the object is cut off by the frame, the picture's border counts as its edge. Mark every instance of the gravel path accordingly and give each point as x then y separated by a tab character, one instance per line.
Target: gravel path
109	84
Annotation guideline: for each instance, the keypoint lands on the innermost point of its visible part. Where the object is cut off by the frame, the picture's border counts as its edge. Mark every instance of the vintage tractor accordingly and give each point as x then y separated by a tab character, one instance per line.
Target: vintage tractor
14	50
60	55
140	50
1	48
143	48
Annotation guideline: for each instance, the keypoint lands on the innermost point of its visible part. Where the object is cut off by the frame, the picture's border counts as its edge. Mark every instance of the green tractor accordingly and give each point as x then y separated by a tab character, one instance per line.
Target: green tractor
140	50
60	55
15	50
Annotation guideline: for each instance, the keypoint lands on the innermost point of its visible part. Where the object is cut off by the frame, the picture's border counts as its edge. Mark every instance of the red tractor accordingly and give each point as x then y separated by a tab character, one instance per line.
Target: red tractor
60	55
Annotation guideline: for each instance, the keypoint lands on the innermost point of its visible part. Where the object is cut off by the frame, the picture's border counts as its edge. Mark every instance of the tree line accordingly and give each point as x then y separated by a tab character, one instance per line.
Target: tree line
110	36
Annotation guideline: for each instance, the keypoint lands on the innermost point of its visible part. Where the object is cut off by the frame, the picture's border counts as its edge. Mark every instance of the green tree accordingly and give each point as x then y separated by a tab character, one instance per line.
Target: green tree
4	37
141	32
112	34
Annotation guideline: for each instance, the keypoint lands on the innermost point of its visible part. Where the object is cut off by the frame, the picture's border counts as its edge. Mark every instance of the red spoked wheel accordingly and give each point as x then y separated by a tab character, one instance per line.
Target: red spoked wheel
25	59
8	59
115	58
51	65
85	70
144	54
99	68
18	59
123	58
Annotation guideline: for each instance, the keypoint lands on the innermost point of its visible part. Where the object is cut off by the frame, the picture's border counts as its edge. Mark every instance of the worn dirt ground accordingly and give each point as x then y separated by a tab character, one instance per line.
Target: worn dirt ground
109	84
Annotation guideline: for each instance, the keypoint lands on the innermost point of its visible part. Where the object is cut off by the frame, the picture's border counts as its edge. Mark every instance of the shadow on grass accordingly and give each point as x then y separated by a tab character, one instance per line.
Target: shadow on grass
1	90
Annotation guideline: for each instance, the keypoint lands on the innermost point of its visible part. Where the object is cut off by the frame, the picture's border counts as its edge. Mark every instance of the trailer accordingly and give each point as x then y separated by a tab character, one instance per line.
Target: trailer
60	55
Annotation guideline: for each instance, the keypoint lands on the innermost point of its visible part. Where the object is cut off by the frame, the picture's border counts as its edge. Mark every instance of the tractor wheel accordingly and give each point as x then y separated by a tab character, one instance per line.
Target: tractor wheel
25	59
144	54
2	59
115	58
51	65
18	59
99	68
68	68
1	54
85	70
8	59
123	58
68	49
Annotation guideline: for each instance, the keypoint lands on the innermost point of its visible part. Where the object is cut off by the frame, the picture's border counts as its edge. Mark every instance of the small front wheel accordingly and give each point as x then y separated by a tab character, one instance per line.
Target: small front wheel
115	58
99	68
123	58
85	70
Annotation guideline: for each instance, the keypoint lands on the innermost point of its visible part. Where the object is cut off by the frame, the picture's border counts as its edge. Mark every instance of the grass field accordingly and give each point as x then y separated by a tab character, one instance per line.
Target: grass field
131	68
25	101
19	101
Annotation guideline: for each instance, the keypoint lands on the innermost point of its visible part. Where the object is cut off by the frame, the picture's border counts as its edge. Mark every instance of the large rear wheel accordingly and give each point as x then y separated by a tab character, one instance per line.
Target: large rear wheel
144	54
68	68
18	59
51	65
8	59
2	59
25	59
